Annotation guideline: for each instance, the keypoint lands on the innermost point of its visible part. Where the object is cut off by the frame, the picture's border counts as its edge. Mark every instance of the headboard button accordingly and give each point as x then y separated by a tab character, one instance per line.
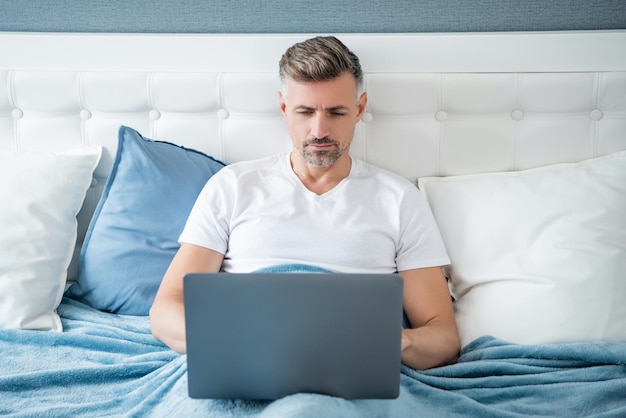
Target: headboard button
223	114
367	117
154	114
441	116
17	113
517	115
85	114
596	114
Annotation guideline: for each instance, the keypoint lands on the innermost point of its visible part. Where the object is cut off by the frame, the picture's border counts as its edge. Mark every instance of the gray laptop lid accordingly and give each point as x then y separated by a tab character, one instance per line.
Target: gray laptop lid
268	335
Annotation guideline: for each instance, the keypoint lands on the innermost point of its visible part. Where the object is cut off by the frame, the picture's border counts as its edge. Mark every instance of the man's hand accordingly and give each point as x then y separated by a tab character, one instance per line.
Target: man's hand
406	341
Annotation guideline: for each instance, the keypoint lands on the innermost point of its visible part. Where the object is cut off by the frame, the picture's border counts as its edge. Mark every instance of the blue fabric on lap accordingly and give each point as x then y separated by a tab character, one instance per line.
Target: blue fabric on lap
293	268
110	365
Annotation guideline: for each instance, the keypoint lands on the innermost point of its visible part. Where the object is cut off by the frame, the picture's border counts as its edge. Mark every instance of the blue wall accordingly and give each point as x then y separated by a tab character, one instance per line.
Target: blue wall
300	16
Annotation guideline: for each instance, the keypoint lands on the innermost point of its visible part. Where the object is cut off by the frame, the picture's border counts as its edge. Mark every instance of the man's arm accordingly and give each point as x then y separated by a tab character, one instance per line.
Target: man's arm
433	339
167	314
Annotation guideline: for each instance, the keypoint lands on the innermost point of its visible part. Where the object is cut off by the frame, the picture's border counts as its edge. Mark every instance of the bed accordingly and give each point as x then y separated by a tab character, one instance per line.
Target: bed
518	141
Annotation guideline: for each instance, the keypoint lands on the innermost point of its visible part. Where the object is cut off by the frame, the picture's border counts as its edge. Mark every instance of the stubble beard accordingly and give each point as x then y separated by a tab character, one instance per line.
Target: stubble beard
321	158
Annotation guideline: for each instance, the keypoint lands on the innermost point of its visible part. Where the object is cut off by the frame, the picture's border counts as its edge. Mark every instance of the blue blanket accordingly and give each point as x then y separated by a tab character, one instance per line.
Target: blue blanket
109	365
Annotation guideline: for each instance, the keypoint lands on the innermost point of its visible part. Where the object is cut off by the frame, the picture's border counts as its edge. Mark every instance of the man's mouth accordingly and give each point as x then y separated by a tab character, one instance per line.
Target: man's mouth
321	144
321	147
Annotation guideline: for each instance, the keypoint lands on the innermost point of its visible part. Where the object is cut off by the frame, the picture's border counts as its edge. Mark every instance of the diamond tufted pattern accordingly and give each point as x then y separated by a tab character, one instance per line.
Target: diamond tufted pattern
418	123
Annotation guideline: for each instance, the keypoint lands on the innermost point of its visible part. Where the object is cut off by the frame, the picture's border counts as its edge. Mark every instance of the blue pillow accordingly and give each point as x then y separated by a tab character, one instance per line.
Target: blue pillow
133	234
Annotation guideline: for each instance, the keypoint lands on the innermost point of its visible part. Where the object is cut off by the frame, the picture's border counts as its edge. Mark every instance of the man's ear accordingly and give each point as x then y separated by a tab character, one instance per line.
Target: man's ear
362	104
282	103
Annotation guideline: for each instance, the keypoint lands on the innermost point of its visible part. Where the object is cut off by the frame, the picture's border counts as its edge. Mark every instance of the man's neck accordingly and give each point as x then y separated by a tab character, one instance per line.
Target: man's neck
320	180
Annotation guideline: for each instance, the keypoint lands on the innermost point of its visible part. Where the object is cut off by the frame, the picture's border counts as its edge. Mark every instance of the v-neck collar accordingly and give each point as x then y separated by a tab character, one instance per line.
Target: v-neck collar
295	178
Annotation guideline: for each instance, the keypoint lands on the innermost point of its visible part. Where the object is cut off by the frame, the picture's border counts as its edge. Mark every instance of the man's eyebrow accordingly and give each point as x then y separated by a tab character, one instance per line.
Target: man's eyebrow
328	109
335	108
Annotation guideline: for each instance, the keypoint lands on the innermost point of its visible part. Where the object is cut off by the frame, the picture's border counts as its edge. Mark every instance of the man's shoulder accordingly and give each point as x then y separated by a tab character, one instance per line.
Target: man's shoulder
369	170
256	165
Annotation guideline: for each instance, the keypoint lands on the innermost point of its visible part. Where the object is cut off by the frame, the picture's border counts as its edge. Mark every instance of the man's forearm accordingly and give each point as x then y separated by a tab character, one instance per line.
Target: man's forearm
432	345
167	322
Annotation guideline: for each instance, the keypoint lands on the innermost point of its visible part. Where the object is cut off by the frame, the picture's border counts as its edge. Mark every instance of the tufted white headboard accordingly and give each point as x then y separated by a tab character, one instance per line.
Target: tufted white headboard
439	104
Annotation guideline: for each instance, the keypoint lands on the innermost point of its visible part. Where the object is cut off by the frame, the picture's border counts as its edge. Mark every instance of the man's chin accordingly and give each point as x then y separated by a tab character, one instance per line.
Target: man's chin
321	158
319	162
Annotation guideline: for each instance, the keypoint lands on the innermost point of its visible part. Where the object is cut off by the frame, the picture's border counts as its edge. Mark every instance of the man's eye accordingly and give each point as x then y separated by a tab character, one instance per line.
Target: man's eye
304	112
338	114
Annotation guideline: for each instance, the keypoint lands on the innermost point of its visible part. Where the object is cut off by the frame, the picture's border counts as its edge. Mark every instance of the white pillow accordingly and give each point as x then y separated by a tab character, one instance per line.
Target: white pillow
41	195
538	256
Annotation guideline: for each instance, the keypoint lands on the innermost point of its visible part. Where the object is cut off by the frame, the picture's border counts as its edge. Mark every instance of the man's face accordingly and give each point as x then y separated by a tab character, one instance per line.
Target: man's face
321	117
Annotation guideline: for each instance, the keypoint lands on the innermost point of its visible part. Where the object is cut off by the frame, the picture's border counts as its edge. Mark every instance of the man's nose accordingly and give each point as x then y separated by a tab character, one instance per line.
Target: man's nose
320	126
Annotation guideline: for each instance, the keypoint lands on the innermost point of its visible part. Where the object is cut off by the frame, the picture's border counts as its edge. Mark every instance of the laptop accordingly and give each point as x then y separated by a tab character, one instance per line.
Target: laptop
269	335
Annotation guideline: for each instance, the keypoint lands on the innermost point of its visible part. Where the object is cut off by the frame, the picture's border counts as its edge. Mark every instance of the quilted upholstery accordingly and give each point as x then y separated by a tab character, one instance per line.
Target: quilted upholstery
418	123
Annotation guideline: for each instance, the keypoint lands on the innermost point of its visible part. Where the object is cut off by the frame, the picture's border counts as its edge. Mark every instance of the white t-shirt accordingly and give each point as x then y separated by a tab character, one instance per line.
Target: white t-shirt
259	214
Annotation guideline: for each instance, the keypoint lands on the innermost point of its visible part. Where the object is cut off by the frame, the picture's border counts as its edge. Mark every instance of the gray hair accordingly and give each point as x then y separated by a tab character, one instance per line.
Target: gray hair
322	58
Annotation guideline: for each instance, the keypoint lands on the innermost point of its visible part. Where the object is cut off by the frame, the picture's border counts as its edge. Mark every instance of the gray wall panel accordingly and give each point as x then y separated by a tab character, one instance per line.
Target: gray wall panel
299	16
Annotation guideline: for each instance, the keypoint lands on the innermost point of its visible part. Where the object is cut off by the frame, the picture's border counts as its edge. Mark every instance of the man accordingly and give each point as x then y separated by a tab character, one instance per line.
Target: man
316	205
